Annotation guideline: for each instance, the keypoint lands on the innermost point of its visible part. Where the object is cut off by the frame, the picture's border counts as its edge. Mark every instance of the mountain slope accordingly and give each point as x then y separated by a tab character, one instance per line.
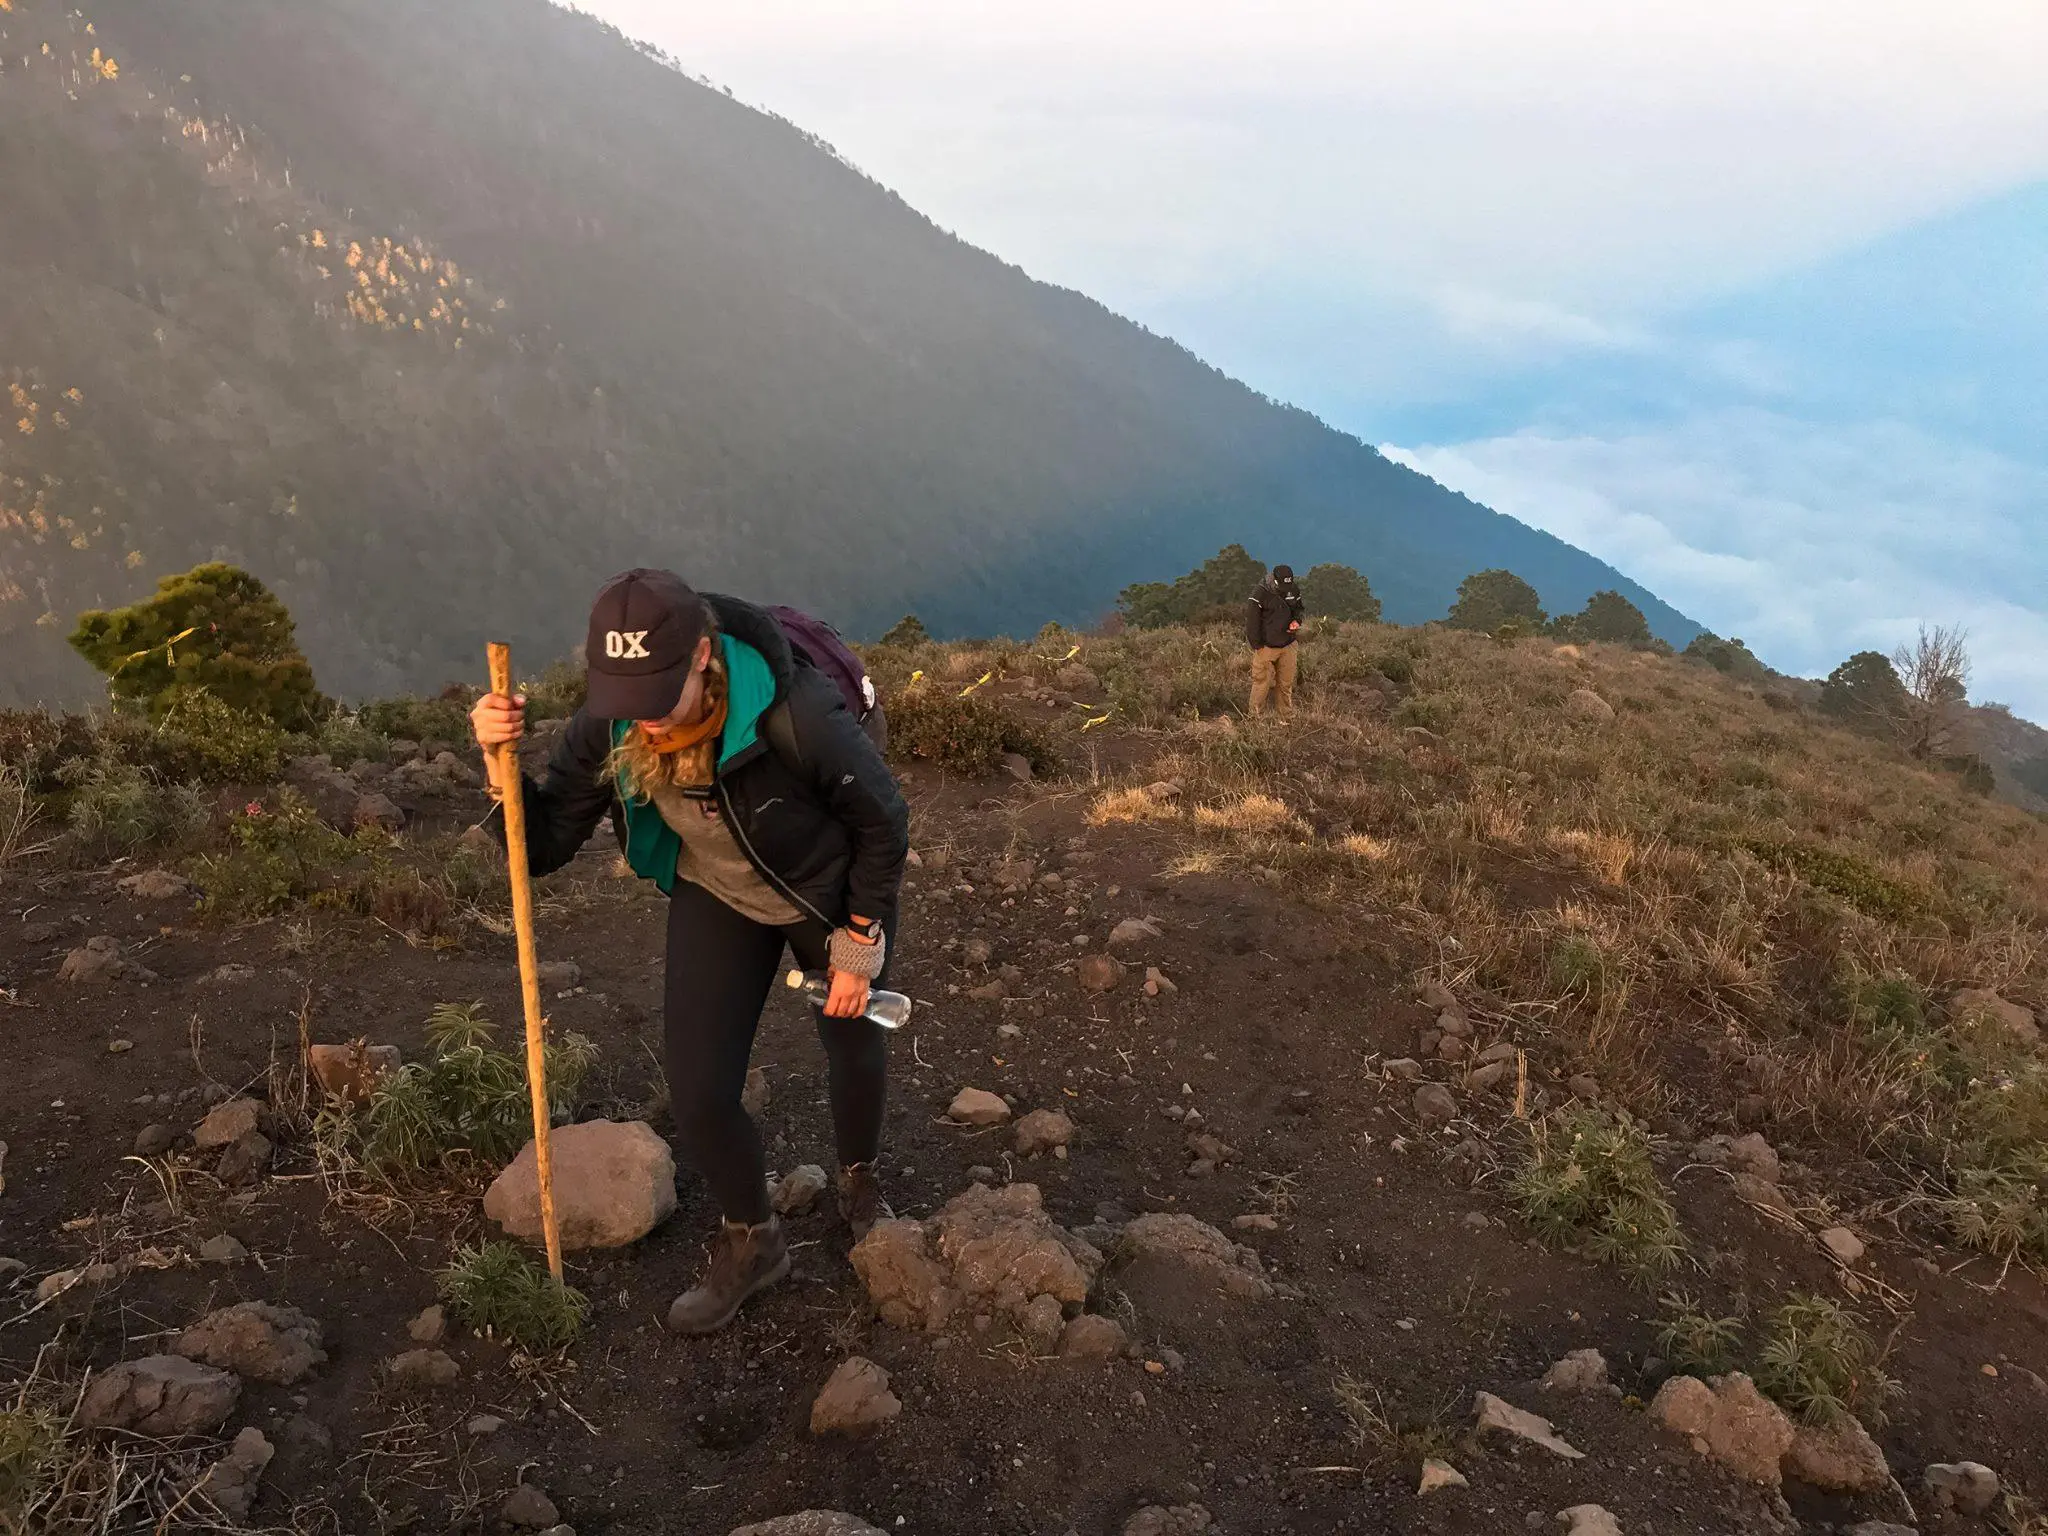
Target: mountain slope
434	315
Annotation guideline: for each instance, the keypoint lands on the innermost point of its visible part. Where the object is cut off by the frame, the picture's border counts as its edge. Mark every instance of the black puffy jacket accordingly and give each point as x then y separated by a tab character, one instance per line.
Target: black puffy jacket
811	802
1274	606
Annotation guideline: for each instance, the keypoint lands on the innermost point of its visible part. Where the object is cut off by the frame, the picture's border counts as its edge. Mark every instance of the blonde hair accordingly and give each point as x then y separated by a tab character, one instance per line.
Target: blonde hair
639	770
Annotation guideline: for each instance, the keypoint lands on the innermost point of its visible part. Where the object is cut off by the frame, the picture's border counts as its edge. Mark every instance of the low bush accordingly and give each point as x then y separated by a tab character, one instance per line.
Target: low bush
280	857
1588	1183
967	735
346	738
557	693
1693	1340
201	740
499	1290
466	1097
441	719
1819	1364
117	808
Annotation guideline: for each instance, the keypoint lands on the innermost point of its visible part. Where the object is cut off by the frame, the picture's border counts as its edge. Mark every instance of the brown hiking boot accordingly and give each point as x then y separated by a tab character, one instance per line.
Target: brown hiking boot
744	1260
860	1199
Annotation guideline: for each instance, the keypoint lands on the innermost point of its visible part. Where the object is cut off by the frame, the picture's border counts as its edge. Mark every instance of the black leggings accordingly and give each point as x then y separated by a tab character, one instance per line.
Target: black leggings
720	968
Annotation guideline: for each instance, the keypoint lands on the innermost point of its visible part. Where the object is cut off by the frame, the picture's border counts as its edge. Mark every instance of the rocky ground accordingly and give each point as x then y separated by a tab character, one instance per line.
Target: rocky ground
1201	1229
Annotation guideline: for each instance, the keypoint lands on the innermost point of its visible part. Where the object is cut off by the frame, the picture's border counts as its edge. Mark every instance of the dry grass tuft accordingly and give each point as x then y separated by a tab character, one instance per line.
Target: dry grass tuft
1130	805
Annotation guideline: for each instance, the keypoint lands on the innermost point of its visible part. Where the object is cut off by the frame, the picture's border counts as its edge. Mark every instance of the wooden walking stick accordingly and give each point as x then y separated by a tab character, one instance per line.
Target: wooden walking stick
505	770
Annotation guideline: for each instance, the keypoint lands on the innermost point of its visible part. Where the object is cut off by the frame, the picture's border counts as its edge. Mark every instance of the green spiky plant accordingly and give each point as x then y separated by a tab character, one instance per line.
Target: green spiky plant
1819	1363
1588	1183
496	1288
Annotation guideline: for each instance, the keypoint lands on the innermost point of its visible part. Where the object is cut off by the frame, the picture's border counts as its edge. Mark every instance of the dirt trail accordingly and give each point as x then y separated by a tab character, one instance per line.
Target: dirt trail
1399	1264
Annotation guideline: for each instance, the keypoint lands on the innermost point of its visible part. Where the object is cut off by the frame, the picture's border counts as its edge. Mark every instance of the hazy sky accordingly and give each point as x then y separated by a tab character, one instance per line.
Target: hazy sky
1585	259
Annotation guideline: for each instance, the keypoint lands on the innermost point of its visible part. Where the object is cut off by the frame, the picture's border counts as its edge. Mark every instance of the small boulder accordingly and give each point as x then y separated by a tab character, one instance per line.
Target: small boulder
1748	1153
1435	1105
526	1508
1589	1520
558	976
1018	767
1180	1239
755	1094
798	1190
222	1248
244	1159
1587	706
908	1286
1583	1370
1483	1079
1843	1244
1967	1487
155	885
1497	1414
1158	1520
1729	1420
1100	972
855	1401
101	960
1157	983
351	1072
1091	1336
977	1106
1982	1005
1405	1069
422	1370
161	1396
990	991
227	1123
379	811
811	1522
1043	1130
1839	1459
429	1327
155	1140
1132	930
232	1483
1437	1475
615	1181
1042	1322
1585	1086
258	1340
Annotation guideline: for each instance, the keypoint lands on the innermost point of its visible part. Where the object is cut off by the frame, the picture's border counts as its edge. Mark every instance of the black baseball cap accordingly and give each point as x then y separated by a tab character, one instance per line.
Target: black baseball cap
644	629
1283	573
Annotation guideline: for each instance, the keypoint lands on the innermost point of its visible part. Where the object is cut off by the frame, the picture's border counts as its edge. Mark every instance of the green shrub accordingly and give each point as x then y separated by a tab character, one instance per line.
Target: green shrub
1338	592
2002	1209
1694	1341
969	736
1588	1183
1608	617
37	744
1865	692
1577	966
1731	657
1819	1364
118	808
1431	712
278	858
199	739
31	1448
1215	590
413	719
1845	877
496	1289
213	627
1397	668
346	739
1489	599
906	632
556	694
467	1096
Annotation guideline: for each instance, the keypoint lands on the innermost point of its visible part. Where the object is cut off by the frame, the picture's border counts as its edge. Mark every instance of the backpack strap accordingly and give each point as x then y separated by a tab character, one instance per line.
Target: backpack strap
780	733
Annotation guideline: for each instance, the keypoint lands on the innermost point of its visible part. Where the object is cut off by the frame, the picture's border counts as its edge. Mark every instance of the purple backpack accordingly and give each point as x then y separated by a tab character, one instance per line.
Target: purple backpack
818	645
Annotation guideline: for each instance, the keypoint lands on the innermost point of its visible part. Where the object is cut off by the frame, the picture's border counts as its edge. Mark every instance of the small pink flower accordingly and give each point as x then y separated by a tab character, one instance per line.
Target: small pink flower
253	808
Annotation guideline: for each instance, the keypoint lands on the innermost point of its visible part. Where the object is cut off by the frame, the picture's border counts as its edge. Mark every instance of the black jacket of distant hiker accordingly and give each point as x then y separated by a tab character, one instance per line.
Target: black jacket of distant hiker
1275	604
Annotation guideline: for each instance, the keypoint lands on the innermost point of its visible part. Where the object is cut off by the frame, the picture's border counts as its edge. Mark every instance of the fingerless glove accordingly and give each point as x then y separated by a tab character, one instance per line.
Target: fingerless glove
855	958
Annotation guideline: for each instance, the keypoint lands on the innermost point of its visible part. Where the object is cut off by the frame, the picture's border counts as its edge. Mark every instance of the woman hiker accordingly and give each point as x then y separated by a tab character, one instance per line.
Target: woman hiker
738	782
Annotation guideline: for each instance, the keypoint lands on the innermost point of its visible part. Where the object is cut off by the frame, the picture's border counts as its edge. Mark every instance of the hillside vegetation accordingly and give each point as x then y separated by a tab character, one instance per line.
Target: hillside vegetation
431	316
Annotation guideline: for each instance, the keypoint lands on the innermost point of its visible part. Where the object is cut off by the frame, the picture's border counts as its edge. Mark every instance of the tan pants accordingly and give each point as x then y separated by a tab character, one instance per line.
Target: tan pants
1273	668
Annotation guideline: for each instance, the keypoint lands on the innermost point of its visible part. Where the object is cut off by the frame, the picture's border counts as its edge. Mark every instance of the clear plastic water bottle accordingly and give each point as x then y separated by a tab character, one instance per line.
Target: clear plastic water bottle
891	1010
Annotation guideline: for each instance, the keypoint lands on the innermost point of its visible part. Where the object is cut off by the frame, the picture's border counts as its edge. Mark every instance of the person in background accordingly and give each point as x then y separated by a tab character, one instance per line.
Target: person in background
1272	624
741	785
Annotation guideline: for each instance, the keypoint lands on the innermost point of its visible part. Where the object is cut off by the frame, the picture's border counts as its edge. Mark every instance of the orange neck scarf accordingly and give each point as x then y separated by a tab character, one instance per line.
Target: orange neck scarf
680	738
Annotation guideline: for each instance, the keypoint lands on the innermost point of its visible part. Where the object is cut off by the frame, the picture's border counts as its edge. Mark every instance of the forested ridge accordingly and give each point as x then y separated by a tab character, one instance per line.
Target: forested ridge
434	315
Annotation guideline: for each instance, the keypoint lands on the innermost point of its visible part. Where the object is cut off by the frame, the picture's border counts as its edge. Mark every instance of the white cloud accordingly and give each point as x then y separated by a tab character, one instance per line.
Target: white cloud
1810	542
1510	324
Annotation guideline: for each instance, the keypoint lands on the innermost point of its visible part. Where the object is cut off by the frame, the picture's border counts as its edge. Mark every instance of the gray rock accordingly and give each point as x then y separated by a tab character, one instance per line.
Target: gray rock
1839	1459
1500	1050
256	1339
483	1424
1984	1006
1092	1337
1967	1487
1585	1086
305	1444
558	975
1583	1370
1043	1130
1042	1324
429	1327
1404	1069
155	1140
1748	1153
1018	767
245	1160
222	1248
977	952
101	961
1435	1105
154	885
855	1401
227	1123
1589	1520
231	1484
1180	1239
380	811
422	1370
1133	930
615	1181
755	1095
798	1190
528	1509
162	1396
1498	1415
1843	1244
811	1522
1481	1079
977	1106
1437	1475
1158	1520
